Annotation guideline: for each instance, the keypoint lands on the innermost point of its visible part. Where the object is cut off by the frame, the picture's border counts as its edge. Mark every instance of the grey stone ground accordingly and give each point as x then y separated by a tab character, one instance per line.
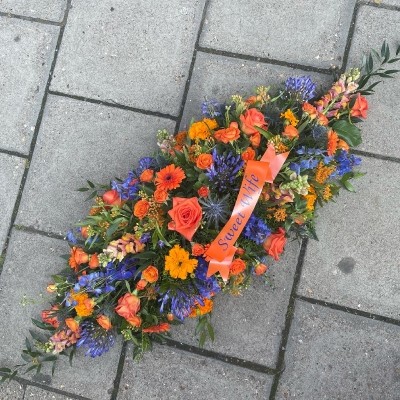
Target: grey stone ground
84	86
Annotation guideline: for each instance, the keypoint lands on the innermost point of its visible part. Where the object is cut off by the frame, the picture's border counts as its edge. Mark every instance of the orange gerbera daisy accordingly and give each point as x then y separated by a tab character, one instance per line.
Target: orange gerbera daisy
170	177
333	139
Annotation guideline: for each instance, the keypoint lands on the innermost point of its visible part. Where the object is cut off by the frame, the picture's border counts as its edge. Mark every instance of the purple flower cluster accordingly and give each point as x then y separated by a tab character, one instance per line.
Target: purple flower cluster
302	87
256	230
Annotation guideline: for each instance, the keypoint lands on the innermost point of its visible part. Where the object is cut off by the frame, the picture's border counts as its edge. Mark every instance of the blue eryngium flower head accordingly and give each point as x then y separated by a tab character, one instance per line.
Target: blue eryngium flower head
301	87
95	338
224	170
216	210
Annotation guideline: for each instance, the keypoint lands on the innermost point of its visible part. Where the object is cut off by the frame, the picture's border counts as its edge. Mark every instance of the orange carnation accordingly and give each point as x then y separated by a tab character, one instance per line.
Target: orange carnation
104	322
237	266
150	274
94	261
204	161
202	129
147	175
290	132
77	257
141	208
248	154
228	134
170	177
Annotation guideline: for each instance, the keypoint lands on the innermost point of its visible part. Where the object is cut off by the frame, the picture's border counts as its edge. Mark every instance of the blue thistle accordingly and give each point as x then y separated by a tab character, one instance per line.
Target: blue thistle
224	170
256	230
301	87
216	211
97	340
319	132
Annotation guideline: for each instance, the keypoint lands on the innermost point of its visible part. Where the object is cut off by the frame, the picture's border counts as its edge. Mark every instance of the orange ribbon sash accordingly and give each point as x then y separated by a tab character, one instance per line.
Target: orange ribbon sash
221	251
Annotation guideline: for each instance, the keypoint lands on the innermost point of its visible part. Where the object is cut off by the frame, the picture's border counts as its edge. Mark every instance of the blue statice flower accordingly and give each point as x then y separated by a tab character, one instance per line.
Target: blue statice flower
302	87
181	302
96	339
211	108
207	287
224	170
345	163
216	211
94	282
70	237
256	230
128	188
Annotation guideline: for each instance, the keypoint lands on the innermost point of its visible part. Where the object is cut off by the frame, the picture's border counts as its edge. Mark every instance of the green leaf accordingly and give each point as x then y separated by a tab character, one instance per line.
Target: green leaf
383	49
42	325
50	357
393	60
265	133
398	50
28	344
53	369
210	332
90	184
6	370
202	340
71	356
348	132
91	196
30	368
349	186
82	189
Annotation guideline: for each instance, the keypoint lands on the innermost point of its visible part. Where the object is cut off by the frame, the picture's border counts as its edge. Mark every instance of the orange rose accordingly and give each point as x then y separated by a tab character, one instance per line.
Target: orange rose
186	216
141	208
72	324
255	139
229	134
248	154
147	175
237	266
250	119
203	191
78	257
141	284
260	269
104	322
150	274
112	198
197	249
94	261
360	107
128	306
310	110
160	195
290	132
204	161
275	243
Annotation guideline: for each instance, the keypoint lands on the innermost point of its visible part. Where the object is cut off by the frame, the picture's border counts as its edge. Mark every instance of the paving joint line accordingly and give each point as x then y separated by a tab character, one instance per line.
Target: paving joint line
191	67
349	310
280	365
375	155
34	138
265	60
30	19
27	382
120	369
238	362
31	229
349	40
111	103
14	153
384	6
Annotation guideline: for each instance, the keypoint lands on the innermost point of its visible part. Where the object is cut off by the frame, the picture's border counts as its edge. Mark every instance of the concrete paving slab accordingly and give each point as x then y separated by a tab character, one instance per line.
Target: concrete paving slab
210	74
35	393
382	118
23	296
250	326
11	391
167	373
27	51
52	10
80	141
307	32
11	171
355	263
131	53
395	3
335	355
